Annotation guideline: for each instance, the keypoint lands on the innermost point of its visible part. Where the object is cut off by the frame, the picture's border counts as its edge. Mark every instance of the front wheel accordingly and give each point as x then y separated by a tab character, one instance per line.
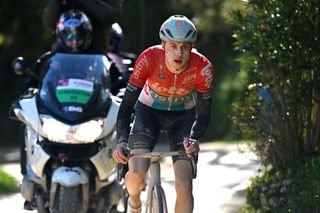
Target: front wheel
40	204
69	199
157	200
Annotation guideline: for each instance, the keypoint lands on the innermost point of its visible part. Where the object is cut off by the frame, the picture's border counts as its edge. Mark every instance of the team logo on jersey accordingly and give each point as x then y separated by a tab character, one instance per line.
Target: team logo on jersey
206	72
188	78
169	90
141	64
161	76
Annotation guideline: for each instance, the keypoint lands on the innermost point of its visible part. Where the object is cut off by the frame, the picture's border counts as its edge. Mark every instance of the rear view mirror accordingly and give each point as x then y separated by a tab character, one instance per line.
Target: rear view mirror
19	65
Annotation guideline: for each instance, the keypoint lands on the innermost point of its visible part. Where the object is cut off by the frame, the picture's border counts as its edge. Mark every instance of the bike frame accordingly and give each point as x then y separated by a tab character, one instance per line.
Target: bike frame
156	199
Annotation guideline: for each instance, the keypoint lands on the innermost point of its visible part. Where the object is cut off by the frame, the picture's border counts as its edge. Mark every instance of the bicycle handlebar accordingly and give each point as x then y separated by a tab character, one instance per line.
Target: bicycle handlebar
155	154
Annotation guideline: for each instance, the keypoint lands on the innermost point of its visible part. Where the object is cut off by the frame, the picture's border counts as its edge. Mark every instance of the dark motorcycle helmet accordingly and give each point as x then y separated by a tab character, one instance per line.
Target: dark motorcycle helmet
115	37
74	31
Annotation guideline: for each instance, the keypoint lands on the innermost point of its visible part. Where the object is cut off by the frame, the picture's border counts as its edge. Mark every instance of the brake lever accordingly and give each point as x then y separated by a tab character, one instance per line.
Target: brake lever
122	169
193	159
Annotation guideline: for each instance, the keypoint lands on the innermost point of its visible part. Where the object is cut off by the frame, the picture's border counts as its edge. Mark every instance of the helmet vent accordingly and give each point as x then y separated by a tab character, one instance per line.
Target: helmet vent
194	34
169	33
188	33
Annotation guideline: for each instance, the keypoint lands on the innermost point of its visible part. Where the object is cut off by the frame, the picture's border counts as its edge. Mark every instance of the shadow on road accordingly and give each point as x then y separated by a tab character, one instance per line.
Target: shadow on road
9	155
222	153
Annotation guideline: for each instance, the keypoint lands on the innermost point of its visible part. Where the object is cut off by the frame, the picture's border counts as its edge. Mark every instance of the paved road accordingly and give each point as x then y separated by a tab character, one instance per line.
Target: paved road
223	174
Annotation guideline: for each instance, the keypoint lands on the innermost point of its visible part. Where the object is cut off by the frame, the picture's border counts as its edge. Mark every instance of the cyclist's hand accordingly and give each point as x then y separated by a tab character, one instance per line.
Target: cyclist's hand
191	146
118	154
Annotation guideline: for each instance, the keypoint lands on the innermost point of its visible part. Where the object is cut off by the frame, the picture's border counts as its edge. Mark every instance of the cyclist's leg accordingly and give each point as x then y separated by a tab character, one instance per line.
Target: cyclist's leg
183	186
142	138
134	179
182	165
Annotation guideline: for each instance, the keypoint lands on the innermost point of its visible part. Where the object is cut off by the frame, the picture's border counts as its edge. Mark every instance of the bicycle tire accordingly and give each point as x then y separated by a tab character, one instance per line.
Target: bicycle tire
156	200
164	200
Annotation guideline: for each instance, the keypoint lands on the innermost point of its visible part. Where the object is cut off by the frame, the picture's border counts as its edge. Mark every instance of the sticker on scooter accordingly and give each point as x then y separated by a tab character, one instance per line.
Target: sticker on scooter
74	91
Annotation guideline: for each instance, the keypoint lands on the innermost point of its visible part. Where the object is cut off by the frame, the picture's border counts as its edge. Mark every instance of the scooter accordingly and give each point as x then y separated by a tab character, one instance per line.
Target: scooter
69	135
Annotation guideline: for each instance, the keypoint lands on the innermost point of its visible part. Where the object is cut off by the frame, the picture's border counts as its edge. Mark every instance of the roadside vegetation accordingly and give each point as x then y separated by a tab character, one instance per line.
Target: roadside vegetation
285	191
279	53
8	184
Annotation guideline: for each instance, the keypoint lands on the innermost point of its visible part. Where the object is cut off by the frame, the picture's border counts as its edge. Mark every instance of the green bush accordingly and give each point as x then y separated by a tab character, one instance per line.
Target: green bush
286	191
8	183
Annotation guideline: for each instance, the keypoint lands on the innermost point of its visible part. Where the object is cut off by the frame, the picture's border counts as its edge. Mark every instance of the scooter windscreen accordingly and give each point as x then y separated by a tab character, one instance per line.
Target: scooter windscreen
76	87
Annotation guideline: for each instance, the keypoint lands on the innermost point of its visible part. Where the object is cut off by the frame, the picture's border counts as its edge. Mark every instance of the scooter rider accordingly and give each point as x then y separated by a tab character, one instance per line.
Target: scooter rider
102	13
172	83
74	35
70	38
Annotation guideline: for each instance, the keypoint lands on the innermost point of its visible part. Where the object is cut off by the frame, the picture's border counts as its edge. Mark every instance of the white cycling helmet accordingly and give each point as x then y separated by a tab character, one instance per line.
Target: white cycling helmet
178	28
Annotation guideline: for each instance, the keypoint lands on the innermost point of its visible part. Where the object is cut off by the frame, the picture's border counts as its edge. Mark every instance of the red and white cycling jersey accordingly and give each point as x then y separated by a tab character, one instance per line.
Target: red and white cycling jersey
167	91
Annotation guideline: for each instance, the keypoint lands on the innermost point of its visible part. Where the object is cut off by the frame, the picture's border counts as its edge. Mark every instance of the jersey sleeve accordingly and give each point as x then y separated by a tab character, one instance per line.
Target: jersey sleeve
142	68
205	76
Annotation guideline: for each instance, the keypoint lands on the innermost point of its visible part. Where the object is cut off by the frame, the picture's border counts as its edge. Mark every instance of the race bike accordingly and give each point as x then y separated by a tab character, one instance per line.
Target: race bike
70	136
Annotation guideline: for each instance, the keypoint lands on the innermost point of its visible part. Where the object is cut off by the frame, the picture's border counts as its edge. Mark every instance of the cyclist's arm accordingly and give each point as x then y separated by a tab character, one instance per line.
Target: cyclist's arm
202	120
136	82
126	109
203	99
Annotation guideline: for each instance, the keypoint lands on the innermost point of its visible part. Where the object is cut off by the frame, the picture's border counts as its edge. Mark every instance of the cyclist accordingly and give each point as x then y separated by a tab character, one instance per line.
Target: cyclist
172	83
102	13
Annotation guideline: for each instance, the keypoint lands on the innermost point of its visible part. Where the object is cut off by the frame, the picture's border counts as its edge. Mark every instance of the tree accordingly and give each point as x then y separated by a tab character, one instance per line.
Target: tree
279	42
21	34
